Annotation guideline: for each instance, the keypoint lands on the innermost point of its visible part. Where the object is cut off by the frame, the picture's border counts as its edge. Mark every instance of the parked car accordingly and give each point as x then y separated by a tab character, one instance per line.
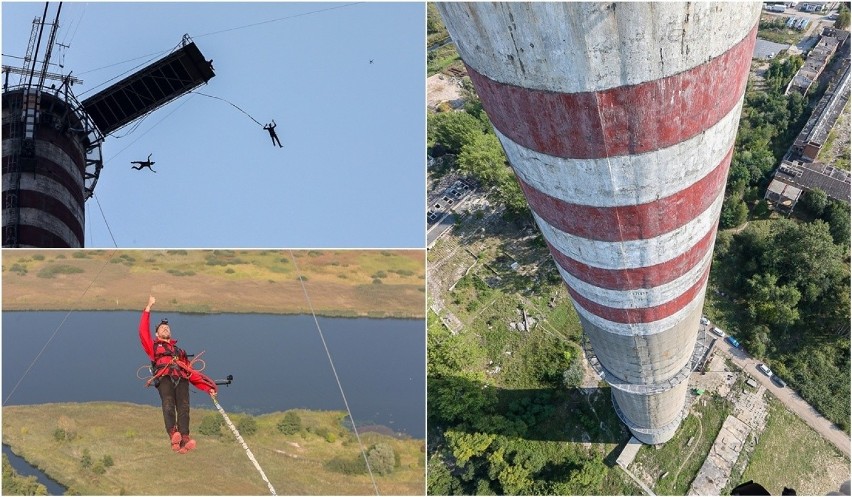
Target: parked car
733	341
704	320
719	332
763	368
778	381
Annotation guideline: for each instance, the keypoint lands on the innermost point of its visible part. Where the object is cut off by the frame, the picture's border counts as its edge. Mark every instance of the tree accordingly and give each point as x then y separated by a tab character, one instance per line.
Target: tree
466	446
836	215
842	21
815	201
482	157
290	424
734	213
509	192
770	303
15	484
573	376
381	458
454	130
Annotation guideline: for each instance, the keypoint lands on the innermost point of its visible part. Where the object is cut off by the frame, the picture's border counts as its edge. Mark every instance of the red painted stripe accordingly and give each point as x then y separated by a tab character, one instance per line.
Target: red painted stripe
636	278
626	120
46	203
641	315
630	222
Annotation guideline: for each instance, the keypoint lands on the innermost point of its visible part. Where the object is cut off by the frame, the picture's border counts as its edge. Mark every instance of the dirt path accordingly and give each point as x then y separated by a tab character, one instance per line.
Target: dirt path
790	399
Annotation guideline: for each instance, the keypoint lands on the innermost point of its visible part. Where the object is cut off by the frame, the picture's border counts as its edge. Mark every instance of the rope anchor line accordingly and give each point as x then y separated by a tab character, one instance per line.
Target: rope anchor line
243	443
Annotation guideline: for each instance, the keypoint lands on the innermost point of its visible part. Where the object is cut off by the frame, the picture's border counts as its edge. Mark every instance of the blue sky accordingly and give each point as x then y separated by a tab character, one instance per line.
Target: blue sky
352	170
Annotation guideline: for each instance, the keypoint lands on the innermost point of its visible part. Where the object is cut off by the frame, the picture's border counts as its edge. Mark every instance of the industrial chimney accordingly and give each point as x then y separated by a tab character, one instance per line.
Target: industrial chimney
619	121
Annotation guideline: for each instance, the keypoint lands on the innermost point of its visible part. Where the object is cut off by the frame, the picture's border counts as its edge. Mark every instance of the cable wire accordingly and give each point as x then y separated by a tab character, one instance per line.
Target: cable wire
277	20
105	220
56	331
333	370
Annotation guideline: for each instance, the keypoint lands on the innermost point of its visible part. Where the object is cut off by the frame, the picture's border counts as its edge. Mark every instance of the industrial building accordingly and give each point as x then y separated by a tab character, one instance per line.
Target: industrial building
619	121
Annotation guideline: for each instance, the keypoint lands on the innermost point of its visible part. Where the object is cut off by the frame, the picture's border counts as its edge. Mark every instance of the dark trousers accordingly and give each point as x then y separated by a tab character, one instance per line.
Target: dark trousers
175	398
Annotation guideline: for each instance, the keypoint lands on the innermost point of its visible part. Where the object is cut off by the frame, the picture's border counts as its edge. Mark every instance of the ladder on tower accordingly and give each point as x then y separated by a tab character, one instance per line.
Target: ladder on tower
11	199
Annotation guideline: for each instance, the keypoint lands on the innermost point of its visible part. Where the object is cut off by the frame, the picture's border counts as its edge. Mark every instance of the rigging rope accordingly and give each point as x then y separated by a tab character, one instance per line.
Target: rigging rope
333	370
105	220
108	258
229	102
243	443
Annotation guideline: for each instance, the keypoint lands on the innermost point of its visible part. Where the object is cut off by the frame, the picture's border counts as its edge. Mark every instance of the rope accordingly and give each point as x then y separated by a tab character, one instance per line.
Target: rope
109	257
333	370
105	220
229	102
243	443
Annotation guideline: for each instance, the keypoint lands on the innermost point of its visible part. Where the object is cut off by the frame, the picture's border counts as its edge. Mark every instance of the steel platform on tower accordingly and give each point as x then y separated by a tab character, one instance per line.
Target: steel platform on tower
149	88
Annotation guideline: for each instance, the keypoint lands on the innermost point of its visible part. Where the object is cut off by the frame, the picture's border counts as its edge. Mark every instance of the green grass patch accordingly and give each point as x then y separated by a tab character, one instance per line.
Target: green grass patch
791	454
52	271
680	458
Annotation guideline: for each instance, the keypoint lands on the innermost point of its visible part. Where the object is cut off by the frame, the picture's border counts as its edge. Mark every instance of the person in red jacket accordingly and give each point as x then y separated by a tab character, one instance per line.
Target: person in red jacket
172	376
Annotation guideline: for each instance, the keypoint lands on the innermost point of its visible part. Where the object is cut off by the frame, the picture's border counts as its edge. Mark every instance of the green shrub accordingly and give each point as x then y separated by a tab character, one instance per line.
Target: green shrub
381	458
302	278
51	271
80	255
230	270
18	268
380	274
107	461
377	281
59	435
99	468
290	424
86	460
38	257
348	465
247	425
211	425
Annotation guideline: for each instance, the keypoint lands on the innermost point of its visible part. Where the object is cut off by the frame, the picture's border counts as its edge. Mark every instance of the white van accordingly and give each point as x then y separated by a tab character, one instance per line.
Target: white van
718	331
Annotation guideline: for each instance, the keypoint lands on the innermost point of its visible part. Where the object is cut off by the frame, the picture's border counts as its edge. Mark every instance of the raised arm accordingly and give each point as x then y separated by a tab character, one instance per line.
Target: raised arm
145	329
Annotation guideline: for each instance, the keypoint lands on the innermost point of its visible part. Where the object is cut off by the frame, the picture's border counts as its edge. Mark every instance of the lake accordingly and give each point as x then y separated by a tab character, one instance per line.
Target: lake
278	362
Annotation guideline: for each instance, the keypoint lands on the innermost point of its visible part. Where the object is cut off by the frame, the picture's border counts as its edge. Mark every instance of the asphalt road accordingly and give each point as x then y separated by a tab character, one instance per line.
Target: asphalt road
789	398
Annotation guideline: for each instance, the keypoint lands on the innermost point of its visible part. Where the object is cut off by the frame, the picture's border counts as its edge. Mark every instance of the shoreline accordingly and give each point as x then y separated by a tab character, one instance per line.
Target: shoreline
343	314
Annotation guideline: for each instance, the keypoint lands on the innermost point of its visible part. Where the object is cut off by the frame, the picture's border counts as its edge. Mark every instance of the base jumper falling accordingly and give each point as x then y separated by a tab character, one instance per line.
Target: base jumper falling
619	121
172	375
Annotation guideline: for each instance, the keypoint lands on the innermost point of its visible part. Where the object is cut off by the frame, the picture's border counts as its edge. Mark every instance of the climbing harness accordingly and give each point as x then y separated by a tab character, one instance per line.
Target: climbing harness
177	363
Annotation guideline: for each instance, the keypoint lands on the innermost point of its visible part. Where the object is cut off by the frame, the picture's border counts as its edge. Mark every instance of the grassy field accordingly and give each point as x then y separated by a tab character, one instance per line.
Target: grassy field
339	282
681	457
306	463
791	454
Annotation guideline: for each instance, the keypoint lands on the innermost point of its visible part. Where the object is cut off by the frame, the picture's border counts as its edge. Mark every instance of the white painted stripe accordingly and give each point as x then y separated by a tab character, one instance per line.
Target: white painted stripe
51	188
44	220
640	298
625	180
582	46
633	253
50	152
639	329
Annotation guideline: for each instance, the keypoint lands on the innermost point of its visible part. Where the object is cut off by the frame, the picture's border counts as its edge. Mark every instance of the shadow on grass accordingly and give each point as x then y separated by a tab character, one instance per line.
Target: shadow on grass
544	414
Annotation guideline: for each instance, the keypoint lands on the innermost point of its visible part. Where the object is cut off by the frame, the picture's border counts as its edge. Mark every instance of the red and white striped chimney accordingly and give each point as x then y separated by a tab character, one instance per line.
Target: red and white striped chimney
619	121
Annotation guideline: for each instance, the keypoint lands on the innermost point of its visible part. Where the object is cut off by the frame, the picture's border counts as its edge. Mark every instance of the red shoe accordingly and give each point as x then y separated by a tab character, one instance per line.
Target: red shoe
187	444
176	438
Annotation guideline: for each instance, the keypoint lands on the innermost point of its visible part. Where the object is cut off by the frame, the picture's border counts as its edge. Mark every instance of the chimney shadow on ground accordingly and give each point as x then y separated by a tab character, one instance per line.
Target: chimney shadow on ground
542	414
